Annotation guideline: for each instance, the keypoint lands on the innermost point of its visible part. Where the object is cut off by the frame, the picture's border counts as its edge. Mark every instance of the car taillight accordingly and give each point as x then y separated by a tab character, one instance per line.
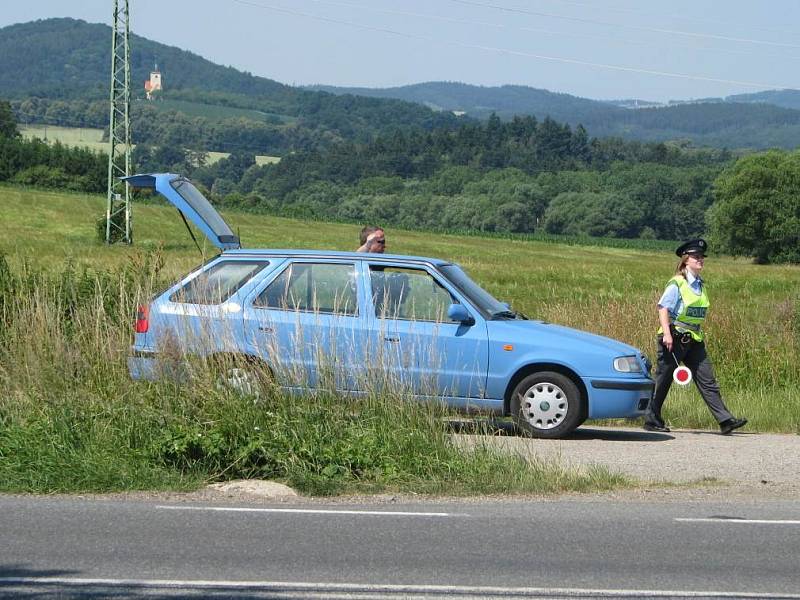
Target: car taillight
142	314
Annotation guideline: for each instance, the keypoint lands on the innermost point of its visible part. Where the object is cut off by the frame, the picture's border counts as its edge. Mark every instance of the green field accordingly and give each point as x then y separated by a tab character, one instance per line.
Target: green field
86	137
215	111
753	327
260	159
71	419
69	136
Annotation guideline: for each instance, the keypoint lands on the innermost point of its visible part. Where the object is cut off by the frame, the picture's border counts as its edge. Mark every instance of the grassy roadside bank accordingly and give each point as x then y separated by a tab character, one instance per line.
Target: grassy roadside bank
71	420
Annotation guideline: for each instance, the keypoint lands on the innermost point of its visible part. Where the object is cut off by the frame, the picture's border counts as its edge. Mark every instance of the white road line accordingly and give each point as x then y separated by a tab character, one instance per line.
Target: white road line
387	589
737	521
319	511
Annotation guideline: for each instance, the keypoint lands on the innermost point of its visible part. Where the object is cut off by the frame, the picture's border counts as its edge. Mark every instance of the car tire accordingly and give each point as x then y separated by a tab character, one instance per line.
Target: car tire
243	375
547	405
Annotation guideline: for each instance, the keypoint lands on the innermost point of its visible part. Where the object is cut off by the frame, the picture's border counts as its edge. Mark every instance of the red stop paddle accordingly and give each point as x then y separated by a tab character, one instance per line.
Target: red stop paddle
681	375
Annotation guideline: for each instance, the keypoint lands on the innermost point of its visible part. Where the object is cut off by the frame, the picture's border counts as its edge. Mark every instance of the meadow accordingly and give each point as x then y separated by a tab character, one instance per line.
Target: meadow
70	419
80	137
213	111
87	137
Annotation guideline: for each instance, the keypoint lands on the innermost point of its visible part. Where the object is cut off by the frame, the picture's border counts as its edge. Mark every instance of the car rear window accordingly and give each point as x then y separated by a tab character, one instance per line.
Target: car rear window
327	288
218	283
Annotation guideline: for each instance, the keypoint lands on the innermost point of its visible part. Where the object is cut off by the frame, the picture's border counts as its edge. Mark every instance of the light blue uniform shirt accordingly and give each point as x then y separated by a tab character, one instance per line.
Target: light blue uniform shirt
671	298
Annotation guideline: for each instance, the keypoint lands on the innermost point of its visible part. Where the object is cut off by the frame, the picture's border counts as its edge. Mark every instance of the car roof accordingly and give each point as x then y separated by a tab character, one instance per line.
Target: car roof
305	253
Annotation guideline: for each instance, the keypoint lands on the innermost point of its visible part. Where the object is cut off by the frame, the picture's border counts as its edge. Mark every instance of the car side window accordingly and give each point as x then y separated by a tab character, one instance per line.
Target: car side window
218	283
313	287
400	293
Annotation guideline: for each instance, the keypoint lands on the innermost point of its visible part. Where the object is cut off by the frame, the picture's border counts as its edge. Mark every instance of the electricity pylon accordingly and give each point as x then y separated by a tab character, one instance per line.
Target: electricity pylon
118	208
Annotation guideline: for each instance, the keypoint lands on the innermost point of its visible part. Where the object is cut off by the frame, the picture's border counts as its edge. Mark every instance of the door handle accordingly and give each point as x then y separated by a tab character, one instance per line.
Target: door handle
265	329
392	339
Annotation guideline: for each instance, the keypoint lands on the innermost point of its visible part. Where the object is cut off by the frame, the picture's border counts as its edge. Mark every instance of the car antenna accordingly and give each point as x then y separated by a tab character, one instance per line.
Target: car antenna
191	233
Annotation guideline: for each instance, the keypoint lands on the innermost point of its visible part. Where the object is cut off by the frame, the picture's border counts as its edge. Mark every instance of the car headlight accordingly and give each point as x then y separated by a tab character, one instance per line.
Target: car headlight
627	364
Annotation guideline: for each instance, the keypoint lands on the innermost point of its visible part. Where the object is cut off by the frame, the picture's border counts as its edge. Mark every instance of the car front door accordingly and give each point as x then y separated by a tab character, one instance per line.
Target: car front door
419	349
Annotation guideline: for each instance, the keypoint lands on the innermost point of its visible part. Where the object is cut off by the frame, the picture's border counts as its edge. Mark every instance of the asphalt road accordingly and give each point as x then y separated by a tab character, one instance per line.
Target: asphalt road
86	547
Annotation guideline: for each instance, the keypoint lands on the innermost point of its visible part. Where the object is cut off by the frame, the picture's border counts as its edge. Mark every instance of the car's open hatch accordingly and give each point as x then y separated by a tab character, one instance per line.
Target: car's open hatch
180	192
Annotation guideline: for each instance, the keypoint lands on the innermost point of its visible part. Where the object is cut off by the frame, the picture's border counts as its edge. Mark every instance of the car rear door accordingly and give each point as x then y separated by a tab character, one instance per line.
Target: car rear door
306	323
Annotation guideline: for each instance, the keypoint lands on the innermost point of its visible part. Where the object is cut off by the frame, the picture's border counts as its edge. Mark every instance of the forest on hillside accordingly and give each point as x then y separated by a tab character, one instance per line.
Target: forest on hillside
52	72
746	121
522	177
314	124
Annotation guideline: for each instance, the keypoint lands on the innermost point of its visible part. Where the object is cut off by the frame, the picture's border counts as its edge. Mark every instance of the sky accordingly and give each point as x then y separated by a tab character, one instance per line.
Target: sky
602	49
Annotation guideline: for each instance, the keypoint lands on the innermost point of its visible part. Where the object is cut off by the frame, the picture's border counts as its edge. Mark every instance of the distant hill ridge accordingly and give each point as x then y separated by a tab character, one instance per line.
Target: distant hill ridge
480	101
70	57
760	120
508	100
67	59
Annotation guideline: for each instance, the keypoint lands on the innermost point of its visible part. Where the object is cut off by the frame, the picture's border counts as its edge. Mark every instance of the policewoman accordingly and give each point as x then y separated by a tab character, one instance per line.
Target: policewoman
682	310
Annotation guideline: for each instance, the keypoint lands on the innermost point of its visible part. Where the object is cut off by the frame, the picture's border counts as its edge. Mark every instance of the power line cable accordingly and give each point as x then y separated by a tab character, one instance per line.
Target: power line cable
636	27
493	49
551	32
674	16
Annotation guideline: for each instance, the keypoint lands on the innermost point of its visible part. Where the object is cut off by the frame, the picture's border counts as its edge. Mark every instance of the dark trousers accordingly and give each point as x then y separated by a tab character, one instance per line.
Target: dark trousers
693	355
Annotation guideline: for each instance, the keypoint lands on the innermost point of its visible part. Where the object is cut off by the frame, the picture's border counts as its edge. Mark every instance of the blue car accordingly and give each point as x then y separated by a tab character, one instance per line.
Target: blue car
366	322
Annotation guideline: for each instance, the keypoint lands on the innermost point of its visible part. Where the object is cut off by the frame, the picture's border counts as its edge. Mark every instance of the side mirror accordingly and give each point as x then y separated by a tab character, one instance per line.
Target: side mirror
506	305
459	313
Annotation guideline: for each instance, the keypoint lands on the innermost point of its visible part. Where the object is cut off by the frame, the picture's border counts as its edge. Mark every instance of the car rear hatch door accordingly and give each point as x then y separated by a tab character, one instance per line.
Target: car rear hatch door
181	193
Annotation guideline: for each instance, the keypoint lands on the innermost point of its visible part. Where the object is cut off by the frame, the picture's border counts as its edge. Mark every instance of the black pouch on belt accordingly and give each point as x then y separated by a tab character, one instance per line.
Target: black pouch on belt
684	337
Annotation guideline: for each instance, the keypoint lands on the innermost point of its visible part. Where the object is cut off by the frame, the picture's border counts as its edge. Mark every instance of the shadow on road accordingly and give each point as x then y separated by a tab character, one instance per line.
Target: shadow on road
501	427
17	581
619	435
19	571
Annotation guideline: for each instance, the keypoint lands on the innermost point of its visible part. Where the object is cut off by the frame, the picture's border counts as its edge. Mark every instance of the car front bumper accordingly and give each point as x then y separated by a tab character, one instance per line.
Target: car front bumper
619	398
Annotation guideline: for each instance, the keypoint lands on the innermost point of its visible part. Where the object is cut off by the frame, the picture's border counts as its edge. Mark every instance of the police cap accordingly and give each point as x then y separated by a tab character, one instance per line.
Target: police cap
698	246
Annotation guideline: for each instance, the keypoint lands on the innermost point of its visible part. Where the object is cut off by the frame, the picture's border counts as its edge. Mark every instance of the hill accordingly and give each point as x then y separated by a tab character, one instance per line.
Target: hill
784	98
478	101
57	70
768	119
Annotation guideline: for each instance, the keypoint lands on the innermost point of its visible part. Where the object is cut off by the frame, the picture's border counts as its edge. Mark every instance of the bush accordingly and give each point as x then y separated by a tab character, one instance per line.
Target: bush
47	177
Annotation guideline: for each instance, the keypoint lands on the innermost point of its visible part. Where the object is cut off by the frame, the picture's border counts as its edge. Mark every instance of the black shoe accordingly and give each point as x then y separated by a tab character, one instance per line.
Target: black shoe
727	426
656	427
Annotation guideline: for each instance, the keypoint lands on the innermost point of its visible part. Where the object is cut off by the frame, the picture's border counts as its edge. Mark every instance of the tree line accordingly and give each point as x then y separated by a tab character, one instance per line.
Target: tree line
522	176
34	162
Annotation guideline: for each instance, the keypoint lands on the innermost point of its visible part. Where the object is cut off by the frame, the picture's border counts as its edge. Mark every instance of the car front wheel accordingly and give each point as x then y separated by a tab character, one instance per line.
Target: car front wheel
547	405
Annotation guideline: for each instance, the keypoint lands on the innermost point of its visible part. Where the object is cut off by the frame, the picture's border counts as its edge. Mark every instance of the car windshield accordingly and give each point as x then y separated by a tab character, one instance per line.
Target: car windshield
482	299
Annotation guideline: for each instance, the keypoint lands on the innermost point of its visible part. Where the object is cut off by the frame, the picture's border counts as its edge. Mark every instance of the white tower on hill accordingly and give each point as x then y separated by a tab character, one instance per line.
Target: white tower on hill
153	85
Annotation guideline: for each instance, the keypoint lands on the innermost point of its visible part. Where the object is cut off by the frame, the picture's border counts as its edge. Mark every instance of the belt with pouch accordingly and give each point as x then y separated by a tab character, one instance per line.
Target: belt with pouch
684	337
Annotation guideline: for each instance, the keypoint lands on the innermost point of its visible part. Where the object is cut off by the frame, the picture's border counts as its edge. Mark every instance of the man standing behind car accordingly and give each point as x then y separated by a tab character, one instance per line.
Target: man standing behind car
373	239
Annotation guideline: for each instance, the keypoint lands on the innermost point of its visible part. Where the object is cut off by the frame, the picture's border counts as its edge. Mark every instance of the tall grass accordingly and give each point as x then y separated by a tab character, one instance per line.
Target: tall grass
72	420
753	326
